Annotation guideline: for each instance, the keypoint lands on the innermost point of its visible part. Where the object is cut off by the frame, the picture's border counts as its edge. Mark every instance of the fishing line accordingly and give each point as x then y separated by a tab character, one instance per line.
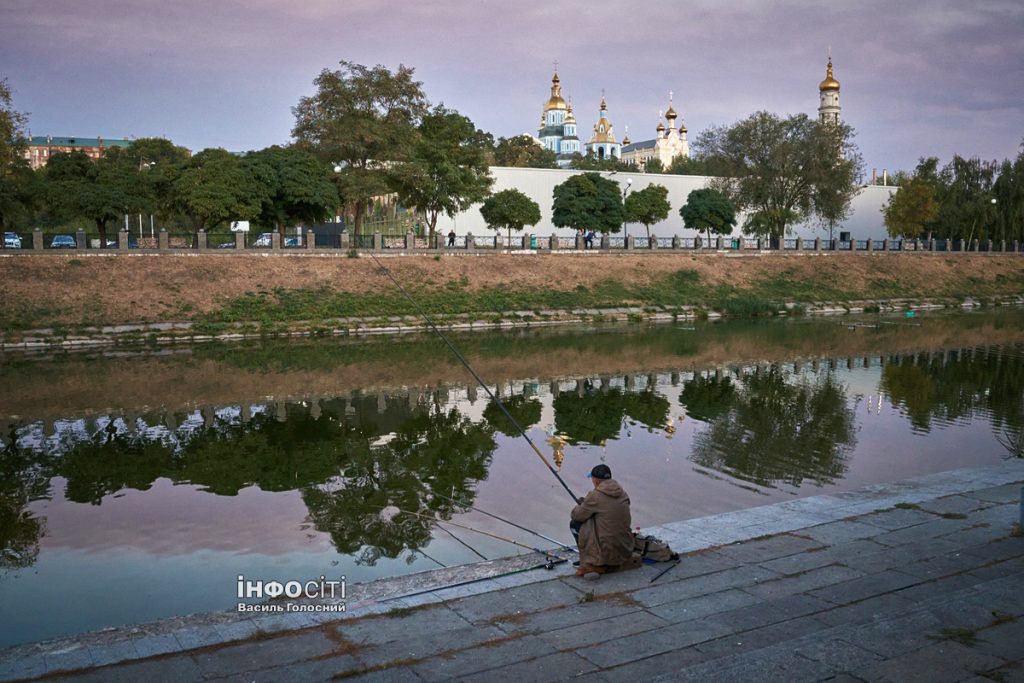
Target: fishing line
466	364
502	519
475	551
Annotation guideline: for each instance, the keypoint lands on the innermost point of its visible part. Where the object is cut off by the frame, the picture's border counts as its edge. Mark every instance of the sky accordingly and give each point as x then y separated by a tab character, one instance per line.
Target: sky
918	78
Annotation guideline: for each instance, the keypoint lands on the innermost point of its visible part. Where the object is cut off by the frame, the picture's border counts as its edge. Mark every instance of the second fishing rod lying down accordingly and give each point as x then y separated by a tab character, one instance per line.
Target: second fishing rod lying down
550	556
506	521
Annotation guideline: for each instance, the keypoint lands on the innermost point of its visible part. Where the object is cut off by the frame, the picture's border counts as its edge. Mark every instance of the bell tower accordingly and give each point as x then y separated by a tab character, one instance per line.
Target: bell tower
828	94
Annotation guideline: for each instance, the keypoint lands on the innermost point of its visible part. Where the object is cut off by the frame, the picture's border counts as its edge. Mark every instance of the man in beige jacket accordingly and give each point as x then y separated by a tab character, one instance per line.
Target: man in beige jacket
601	523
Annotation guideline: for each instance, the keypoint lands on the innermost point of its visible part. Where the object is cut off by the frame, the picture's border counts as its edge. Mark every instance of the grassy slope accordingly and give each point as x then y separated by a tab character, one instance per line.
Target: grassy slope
273	291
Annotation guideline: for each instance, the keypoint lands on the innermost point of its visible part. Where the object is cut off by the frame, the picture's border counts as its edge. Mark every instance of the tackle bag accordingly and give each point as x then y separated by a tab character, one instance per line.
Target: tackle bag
653	549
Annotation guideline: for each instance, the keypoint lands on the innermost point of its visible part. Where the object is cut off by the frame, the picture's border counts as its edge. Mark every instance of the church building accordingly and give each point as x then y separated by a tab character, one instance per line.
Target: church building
828	94
670	143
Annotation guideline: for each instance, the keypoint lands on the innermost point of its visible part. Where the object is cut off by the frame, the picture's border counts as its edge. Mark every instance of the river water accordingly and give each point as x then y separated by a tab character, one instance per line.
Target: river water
138	484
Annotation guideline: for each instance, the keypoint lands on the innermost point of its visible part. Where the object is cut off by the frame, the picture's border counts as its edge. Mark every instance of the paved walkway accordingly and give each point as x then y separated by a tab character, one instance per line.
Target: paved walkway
915	581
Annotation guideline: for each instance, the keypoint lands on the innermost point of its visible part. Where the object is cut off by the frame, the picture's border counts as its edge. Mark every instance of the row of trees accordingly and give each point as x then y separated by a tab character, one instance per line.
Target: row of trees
965	199
590	201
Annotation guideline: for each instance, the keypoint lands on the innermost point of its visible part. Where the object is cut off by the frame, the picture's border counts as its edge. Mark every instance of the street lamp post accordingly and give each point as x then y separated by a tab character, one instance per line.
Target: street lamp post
625	191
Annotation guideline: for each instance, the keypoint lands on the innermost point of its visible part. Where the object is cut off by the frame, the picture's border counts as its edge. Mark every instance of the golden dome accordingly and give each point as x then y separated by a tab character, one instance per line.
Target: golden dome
830	83
569	117
555	101
661	127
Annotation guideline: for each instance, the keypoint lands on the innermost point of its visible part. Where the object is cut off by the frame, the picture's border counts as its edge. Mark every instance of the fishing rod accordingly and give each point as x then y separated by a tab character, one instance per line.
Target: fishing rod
479	531
502	519
468	367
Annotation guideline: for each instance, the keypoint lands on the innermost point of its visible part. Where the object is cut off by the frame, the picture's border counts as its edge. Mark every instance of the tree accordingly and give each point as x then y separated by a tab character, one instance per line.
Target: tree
361	120
16	178
654	165
215	187
101	191
588	201
1008	192
648	206
591	162
298	187
708	210
909	210
447	170
522	151
510	210
782	170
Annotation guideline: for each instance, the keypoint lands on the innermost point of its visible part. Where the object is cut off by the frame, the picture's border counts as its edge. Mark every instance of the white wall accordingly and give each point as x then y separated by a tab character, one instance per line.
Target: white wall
865	219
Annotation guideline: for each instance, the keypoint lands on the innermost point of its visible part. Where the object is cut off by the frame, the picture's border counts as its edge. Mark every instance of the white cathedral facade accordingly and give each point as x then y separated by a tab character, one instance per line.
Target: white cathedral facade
558	131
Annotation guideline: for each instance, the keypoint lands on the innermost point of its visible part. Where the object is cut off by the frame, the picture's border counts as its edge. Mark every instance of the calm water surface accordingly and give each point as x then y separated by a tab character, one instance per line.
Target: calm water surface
137	485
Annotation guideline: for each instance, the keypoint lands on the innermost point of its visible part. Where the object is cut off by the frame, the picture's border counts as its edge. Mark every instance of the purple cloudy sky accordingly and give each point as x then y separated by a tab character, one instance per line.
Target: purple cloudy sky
918	78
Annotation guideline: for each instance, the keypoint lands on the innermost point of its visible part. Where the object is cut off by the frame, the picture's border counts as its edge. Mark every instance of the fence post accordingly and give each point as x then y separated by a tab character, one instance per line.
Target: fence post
239	241
676	242
310	239
410	241
974	245
201	239
470	244
579	242
652	242
869	244
799	243
553	243
606	241
122	240
988	246
739	244
275	241
1016	246
526	241
37	239
630	242
719	243
1002	245
378	241
817	244
886	245
164	239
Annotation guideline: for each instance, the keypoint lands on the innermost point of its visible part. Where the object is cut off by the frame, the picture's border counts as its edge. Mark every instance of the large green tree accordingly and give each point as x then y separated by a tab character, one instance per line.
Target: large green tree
101	190
297	187
1008	191
16	179
510	210
588	201
648	206
524	152
446	171
783	171
708	210
912	208
215	187
362	120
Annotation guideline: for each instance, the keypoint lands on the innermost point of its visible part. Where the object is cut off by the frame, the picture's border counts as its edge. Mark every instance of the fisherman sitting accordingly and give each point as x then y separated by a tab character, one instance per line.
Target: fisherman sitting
601	525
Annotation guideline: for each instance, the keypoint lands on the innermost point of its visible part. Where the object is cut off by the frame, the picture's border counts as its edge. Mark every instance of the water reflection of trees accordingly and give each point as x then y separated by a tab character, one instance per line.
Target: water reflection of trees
352	462
594	414
524	410
707	397
22	480
776	429
969	384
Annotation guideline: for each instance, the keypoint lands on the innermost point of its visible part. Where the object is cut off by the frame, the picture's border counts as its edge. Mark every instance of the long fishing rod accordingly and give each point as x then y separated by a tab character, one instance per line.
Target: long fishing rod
502	519
479	531
466	364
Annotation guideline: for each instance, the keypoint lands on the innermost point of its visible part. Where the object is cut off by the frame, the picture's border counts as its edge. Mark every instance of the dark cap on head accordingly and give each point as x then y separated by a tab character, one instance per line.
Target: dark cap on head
601	472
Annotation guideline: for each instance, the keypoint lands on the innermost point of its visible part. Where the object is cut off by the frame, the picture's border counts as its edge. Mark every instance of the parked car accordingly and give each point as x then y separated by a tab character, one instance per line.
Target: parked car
291	242
226	245
264	240
12	241
133	243
63	242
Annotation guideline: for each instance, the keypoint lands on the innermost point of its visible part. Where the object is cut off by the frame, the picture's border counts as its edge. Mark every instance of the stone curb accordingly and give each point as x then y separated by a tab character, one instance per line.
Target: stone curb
179	634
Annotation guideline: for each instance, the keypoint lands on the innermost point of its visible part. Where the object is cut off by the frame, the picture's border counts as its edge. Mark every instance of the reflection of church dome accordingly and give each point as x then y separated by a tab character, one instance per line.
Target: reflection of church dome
830	83
555	101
